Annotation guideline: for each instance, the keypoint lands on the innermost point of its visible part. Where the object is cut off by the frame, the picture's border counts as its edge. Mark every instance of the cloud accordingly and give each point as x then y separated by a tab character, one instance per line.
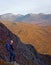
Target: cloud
25	6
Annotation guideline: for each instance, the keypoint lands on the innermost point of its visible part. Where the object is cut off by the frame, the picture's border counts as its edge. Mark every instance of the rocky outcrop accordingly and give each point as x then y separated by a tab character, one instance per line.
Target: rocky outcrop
25	54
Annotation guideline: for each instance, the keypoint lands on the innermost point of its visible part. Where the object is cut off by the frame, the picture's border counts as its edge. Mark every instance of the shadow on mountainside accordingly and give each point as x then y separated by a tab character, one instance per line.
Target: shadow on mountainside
45	57
26	54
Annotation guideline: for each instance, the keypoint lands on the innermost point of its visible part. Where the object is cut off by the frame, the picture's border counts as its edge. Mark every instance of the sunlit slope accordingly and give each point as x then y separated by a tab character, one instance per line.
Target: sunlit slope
38	36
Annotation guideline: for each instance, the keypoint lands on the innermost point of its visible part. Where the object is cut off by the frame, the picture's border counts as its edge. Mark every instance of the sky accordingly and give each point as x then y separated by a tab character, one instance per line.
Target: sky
25	6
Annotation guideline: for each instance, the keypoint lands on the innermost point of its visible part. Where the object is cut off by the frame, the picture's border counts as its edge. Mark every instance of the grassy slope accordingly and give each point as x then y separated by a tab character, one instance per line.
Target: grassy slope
38	36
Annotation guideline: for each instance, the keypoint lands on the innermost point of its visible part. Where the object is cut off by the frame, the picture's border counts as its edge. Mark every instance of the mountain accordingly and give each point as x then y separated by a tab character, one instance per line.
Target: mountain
9	17
38	36
26	53
41	19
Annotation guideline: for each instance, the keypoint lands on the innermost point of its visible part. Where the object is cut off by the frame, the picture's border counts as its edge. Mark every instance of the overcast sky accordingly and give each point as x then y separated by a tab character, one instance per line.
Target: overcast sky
25	6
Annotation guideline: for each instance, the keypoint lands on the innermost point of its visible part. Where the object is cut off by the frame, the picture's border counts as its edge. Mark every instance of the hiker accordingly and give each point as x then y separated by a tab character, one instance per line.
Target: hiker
10	49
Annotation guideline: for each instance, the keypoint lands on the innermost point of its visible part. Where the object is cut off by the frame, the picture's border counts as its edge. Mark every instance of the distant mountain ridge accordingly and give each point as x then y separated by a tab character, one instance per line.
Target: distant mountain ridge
28	18
9	17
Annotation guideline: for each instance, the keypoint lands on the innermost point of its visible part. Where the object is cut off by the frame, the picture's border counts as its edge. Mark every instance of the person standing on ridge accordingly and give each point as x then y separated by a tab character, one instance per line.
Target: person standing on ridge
10	49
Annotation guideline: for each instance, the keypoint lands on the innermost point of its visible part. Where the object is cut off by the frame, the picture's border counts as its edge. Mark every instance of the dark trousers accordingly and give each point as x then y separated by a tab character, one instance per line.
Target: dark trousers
12	56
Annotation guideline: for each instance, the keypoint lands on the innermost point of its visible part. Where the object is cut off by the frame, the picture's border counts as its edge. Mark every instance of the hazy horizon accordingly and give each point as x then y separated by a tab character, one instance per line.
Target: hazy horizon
25	6
25	13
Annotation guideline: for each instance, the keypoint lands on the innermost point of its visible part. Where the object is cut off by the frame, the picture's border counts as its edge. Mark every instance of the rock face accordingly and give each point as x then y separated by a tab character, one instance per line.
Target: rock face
25	54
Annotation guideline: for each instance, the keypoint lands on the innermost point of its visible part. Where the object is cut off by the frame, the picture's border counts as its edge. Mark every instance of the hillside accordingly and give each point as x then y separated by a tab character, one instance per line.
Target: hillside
38	36
31	42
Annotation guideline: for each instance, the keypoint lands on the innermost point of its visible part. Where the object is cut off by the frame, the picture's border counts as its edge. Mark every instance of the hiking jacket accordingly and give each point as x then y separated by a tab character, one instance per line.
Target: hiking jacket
9	47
